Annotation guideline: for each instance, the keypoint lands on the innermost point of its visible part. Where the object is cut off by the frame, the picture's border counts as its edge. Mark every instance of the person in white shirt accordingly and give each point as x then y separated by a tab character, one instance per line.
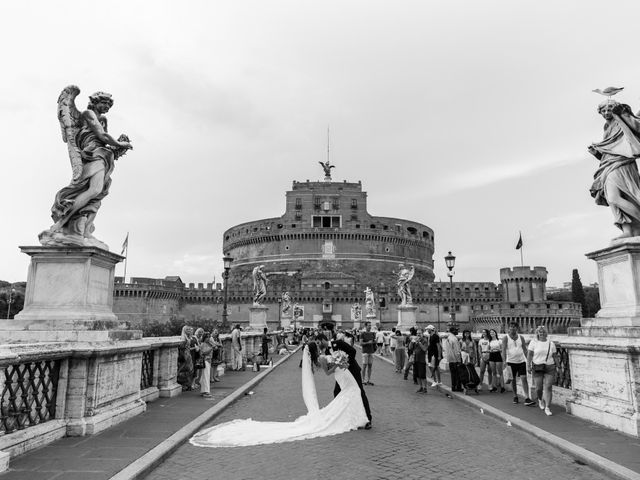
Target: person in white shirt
380	342
236	349
515	354
541	362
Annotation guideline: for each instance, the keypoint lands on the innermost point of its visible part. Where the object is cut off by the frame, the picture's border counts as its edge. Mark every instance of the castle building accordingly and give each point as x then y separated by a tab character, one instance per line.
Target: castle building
324	251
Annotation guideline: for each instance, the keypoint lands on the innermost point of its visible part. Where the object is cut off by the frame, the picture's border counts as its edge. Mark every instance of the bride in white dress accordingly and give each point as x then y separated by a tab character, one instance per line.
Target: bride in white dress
344	413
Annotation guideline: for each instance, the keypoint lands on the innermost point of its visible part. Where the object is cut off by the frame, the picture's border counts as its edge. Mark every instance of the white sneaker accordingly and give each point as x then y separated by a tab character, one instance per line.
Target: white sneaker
547	411
434	384
541	404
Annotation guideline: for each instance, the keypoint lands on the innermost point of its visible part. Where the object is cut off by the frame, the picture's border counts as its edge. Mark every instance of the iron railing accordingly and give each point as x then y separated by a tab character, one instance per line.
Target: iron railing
563	371
29	392
146	378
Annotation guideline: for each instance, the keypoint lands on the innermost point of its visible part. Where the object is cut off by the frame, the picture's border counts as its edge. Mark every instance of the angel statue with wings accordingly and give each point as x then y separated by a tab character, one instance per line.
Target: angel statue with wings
404	277
326	166
93	153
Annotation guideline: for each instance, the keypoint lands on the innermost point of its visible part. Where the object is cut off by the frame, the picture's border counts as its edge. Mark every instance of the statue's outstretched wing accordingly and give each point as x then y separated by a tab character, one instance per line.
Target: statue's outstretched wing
70	122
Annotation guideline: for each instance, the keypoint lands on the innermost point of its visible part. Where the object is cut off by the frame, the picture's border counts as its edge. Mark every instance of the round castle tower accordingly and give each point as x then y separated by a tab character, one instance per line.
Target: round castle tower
326	231
523	284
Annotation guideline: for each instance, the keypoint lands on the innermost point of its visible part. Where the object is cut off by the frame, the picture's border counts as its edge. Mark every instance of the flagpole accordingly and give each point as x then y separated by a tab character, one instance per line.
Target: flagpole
125	250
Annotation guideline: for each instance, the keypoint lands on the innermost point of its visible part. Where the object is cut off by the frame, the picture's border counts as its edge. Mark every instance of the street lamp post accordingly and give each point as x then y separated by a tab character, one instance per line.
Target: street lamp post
225	275
438	298
279	312
450	262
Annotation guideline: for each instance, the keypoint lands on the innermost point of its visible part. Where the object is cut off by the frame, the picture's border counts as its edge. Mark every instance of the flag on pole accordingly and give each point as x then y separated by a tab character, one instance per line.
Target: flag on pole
125	244
519	244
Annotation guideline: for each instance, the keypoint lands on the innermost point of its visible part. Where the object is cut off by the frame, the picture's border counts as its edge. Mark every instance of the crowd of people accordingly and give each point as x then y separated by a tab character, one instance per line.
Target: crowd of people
424	353
199	355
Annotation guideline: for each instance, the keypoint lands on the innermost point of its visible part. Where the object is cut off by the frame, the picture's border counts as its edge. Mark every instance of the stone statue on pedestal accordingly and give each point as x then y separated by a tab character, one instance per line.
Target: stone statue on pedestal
404	291
369	303
616	181
93	153
259	285
286	304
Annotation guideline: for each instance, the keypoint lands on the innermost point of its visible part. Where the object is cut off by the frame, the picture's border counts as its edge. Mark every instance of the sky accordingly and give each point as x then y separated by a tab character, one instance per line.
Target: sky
472	118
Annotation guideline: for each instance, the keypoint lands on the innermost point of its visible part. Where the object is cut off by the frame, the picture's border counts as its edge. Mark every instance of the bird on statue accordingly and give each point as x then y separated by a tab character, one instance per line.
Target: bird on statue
609	91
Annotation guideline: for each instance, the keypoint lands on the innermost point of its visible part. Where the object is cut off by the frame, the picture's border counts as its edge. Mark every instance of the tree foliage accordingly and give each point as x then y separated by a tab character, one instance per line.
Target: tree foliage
577	292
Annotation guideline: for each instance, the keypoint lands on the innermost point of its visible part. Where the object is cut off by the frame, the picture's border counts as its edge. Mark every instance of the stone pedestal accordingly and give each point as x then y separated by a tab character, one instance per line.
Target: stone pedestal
258	317
604	352
285	321
69	297
406	317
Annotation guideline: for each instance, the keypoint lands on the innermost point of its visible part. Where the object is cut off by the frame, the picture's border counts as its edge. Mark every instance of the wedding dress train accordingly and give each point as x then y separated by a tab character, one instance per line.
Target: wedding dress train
344	413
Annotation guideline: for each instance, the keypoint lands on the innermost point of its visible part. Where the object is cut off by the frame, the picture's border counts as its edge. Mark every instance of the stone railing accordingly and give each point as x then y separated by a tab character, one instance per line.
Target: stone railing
52	390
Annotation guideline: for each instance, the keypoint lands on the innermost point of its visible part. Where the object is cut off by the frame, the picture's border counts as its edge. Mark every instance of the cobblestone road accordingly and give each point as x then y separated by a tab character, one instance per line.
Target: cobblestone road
413	437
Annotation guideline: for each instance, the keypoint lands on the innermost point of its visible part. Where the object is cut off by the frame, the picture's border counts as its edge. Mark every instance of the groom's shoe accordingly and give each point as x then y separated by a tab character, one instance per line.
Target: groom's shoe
367	426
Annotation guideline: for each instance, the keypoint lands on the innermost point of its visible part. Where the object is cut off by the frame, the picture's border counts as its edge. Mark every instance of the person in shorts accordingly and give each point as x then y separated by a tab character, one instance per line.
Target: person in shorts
368	344
515	353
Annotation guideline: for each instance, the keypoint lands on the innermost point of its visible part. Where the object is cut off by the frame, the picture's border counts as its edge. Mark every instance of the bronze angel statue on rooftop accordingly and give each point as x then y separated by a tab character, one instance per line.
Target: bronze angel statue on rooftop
93	153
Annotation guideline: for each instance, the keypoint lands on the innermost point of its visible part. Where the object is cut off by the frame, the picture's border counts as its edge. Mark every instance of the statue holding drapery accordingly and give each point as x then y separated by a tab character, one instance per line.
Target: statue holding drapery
93	152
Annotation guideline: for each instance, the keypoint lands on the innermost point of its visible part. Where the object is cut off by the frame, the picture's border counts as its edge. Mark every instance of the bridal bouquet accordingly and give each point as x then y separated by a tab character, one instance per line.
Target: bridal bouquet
340	359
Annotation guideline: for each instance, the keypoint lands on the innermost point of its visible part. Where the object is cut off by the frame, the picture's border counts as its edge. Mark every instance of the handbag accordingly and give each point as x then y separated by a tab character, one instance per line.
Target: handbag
542	367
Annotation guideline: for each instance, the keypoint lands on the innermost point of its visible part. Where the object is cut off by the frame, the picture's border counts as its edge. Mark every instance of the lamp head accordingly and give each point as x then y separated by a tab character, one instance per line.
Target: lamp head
450	261
227	261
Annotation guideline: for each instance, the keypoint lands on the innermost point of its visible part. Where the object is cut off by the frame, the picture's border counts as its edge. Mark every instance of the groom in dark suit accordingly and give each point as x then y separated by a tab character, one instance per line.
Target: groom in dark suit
354	368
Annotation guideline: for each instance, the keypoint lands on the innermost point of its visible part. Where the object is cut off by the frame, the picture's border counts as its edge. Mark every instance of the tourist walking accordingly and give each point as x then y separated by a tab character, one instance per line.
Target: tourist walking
468	346
484	349
420	361
495	361
400	352
541	362
206	353
453	355
236	348
380	342
264	350
514	352
198	363
368	344
434	355
393	342
216	356
410	342
185	361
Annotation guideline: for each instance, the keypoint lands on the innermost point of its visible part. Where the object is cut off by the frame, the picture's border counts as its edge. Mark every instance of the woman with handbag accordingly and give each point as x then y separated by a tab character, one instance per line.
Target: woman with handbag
541	362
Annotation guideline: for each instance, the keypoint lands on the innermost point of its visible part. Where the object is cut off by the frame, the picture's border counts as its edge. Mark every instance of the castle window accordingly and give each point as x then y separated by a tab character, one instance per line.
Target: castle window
326	221
385	227
358	226
327	285
293	225
372	225
354	218
286	247
412	230
354	203
298	204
